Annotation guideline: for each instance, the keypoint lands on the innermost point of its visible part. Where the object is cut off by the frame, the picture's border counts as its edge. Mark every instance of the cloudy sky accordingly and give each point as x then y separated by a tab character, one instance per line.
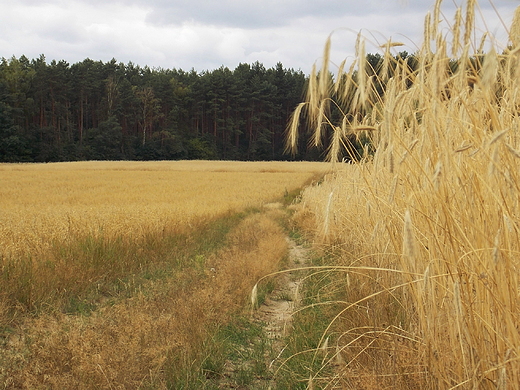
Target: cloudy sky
206	34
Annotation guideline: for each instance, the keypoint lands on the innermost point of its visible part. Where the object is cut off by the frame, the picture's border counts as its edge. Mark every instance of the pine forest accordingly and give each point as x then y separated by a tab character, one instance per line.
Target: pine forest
91	110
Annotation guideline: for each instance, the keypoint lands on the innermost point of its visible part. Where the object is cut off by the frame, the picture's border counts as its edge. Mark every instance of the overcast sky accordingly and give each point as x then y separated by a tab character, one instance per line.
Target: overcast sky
206	34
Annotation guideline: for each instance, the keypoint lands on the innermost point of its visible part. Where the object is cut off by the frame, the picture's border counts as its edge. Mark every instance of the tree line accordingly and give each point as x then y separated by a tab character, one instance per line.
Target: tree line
93	110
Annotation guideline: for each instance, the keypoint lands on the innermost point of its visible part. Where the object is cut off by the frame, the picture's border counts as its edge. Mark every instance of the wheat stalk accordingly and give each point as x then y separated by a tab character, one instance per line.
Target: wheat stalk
446	137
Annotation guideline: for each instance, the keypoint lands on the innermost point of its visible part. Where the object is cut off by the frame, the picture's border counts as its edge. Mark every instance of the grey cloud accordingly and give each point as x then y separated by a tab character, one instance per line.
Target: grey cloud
252	14
205	34
62	33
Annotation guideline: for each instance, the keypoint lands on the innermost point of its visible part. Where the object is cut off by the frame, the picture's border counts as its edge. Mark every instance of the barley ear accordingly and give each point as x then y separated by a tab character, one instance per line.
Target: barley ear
456	33
324	348
514	33
312	95
325	345
436	18
339	359
316	138
489	70
362	75
324	80
335	145
339	78
291	141
427	34
470	21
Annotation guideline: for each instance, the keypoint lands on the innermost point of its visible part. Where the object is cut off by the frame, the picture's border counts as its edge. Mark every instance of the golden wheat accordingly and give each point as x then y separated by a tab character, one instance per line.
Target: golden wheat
439	201
46	204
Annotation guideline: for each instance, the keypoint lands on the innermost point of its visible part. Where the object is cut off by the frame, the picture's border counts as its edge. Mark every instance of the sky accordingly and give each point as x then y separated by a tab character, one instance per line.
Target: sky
207	34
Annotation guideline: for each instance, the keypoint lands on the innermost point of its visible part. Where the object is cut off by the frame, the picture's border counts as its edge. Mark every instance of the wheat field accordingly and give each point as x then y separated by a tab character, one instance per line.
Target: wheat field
45	204
65	227
425	227
118	274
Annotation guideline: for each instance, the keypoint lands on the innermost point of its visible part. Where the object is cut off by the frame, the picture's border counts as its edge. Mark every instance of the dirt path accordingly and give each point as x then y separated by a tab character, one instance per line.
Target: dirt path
276	311
275	317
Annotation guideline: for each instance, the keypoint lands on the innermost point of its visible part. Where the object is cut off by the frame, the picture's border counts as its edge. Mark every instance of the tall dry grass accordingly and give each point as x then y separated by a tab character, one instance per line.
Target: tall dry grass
160	337
428	224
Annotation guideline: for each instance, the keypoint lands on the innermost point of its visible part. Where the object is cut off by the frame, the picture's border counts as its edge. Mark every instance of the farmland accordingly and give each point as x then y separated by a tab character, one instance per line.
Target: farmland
413	282
49	203
128	267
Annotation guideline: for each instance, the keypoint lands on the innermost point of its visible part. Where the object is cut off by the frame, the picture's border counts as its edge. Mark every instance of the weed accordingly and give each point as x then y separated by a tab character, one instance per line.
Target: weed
79	306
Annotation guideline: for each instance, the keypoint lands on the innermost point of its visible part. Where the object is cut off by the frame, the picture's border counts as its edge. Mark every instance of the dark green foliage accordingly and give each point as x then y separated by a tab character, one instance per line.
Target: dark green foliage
111	111
13	146
104	142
